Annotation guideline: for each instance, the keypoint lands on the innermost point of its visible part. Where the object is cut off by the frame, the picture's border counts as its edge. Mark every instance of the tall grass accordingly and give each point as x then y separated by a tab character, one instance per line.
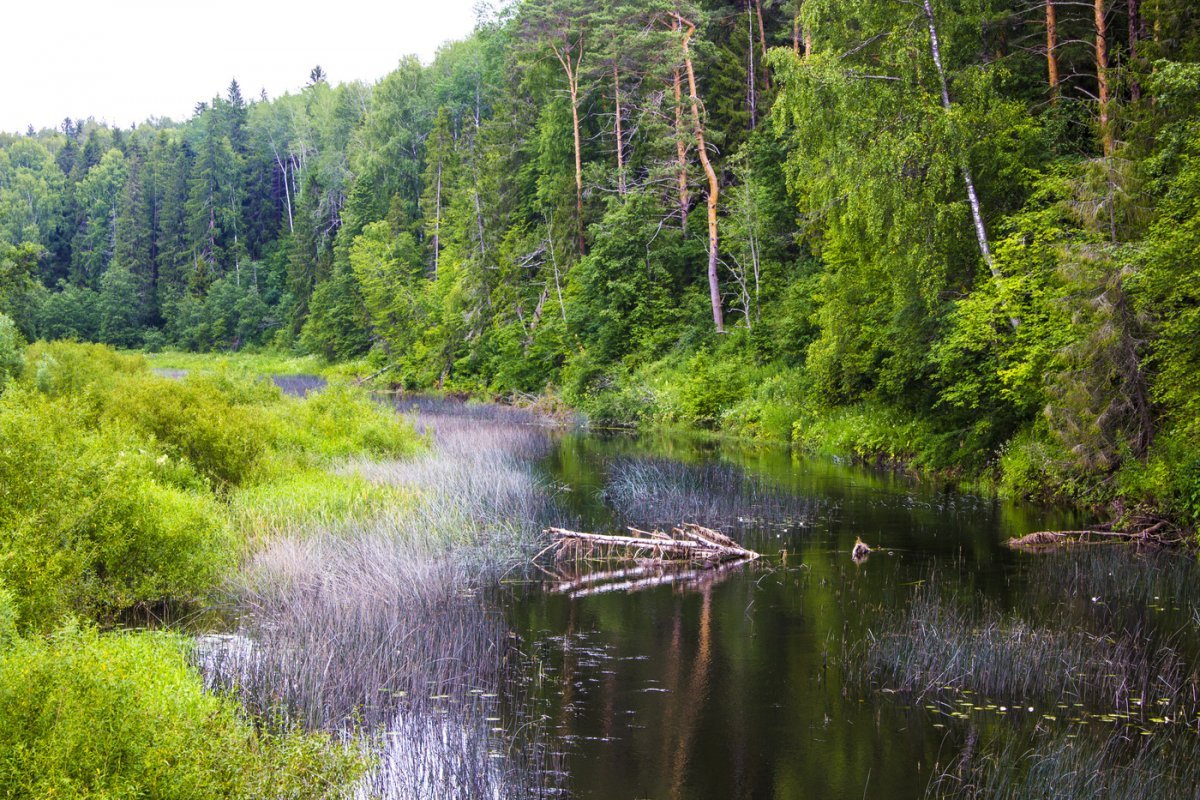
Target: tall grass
940	646
387	624
1005	764
663	491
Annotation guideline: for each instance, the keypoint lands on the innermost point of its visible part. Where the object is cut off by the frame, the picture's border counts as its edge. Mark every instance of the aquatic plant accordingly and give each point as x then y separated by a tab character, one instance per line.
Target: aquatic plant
662	491
939	646
1006	764
385	624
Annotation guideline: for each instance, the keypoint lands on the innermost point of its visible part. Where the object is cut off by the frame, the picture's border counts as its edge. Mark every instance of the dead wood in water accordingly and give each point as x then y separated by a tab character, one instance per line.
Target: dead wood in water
680	575
1159	534
687	543
689	557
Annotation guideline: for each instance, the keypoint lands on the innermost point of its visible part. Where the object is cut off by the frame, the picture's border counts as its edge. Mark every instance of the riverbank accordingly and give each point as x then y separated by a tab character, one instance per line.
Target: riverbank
724	397
390	621
131	496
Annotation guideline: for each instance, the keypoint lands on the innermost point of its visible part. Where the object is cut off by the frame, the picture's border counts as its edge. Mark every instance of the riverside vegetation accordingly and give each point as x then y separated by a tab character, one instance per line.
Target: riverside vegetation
123	490
956	235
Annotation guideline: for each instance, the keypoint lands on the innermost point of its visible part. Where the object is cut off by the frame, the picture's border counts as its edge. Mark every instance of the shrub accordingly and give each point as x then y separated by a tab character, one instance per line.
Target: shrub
770	411
867	432
1028	465
124	715
59	368
192	419
92	519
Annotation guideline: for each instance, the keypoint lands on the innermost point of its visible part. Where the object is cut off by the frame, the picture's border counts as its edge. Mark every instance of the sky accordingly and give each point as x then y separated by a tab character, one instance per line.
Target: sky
124	61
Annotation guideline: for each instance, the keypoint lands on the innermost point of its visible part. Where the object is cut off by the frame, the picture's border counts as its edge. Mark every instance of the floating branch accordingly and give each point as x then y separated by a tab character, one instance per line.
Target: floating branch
1158	534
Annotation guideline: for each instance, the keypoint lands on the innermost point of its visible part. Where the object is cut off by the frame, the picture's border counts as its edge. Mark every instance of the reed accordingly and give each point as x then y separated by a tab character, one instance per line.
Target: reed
939	646
661	491
1004	764
388	627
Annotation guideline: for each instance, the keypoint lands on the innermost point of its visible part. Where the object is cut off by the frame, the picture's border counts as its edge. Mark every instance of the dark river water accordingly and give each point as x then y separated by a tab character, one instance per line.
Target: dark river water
743	685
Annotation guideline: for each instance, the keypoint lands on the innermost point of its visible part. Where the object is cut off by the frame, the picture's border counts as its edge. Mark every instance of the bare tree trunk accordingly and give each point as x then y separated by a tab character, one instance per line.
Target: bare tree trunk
620	137
287	192
981	236
681	151
1107	140
762	40
571	68
1051	49
714	185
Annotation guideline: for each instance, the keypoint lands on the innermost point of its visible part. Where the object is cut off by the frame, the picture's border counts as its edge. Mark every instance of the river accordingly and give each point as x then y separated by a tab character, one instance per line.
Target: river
946	662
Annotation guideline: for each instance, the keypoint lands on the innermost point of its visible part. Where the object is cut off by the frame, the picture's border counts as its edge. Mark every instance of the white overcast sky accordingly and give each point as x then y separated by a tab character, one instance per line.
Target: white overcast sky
126	60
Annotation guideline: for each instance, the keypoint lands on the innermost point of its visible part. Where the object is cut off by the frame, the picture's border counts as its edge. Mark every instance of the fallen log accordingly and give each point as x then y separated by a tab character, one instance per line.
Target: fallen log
1156	535
686	543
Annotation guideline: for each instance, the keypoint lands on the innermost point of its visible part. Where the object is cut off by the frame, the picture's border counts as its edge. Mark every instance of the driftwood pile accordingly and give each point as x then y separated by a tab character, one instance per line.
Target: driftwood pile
687	543
689	557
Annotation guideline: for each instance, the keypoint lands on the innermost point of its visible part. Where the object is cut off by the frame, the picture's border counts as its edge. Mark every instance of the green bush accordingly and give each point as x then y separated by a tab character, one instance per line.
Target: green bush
192	419
770	412
93	519
84	715
868	432
709	385
1028	465
58	368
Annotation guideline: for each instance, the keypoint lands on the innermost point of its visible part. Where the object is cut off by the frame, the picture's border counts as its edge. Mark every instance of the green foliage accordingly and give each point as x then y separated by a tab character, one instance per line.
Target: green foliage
867	432
12	351
341	421
192	420
124	715
92	518
72	312
61	368
118	307
336	328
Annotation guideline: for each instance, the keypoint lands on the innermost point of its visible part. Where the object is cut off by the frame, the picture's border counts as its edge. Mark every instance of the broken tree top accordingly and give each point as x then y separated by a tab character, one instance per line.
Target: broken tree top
687	542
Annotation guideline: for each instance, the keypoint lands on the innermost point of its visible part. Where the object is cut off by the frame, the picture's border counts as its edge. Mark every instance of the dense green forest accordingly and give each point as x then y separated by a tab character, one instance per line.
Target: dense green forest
959	233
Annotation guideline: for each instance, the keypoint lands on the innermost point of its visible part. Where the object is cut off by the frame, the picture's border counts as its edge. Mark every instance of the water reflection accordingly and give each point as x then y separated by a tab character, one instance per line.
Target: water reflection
744	687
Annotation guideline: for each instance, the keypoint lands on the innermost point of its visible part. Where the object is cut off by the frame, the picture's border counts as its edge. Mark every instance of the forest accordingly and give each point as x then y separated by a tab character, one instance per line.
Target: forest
955	234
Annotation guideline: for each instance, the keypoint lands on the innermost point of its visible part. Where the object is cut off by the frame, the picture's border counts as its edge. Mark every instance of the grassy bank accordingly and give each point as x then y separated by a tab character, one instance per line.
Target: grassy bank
728	392
261	363
126	490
